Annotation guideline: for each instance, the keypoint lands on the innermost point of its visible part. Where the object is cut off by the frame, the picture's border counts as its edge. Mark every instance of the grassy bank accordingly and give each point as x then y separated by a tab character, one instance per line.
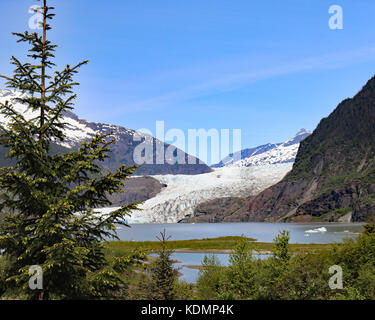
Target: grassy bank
208	245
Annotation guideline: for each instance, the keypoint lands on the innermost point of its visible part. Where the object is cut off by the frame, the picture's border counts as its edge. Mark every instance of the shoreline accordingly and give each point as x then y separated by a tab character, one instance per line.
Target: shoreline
220	245
218	251
243	222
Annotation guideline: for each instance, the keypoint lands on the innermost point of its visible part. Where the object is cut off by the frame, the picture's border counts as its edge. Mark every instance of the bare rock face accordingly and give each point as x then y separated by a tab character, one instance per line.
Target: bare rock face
217	210
137	189
334	172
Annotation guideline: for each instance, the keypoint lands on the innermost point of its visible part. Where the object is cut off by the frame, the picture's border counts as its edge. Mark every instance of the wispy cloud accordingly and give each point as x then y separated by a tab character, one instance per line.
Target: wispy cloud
202	84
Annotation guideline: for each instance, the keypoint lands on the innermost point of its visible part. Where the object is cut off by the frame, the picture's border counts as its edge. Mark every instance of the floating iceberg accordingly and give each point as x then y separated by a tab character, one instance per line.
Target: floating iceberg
317	230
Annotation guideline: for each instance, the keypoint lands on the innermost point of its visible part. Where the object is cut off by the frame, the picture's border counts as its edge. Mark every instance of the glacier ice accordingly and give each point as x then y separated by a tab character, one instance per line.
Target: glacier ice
184	192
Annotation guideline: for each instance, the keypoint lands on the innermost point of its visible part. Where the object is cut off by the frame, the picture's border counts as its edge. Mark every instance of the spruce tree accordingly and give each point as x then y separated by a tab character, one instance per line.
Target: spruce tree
281	253
48	201
241	272
163	274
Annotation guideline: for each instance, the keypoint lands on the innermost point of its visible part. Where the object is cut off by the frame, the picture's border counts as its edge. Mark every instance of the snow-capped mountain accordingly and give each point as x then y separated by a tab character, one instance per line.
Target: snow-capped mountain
268	154
78	130
245	153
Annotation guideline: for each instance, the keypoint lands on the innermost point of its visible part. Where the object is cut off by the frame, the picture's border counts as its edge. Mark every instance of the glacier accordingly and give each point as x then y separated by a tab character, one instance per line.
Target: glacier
184	192
262	167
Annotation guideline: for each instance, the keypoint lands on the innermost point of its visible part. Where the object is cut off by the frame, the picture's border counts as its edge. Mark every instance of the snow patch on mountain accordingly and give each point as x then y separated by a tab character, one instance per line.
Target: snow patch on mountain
79	130
76	130
245	153
275	153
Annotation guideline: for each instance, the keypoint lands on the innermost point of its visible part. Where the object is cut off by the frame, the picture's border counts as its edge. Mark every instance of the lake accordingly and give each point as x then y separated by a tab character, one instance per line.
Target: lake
263	232
195	259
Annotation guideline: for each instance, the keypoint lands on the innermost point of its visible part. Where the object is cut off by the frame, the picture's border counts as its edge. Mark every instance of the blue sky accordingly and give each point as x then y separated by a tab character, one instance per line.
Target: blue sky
266	67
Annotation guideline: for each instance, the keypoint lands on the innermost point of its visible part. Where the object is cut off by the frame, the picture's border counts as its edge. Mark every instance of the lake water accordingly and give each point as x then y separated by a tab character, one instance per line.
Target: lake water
264	232
195	259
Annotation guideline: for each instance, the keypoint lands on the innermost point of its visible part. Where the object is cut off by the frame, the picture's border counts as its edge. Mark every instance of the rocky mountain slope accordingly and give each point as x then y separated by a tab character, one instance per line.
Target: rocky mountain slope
333	177
136	189
78	130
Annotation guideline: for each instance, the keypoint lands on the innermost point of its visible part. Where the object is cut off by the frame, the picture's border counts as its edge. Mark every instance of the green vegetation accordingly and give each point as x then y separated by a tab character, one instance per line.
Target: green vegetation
158	280
43	192
342	211
333	215
286	277
335	165
120	248
293	202
162	277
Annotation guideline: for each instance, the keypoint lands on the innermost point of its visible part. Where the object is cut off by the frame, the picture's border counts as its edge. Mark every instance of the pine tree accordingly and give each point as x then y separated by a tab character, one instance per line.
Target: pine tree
241	272
369	227
163	274
276	266
48	201
282	248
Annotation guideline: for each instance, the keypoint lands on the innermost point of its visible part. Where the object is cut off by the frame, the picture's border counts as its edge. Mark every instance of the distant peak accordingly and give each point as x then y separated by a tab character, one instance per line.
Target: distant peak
300	135
370	84
303	131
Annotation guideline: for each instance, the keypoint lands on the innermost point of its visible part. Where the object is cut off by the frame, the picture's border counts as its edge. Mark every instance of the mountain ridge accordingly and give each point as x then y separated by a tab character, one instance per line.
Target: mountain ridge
78	130
269	153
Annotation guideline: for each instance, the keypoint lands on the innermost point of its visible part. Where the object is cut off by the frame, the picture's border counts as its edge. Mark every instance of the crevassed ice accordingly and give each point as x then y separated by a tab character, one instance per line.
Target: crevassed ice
184	192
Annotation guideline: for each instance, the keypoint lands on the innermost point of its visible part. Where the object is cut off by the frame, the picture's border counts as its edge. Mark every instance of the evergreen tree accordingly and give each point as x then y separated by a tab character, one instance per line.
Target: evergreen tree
241	272
369	227
48	201
282	249
275	267
212	276
163	275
